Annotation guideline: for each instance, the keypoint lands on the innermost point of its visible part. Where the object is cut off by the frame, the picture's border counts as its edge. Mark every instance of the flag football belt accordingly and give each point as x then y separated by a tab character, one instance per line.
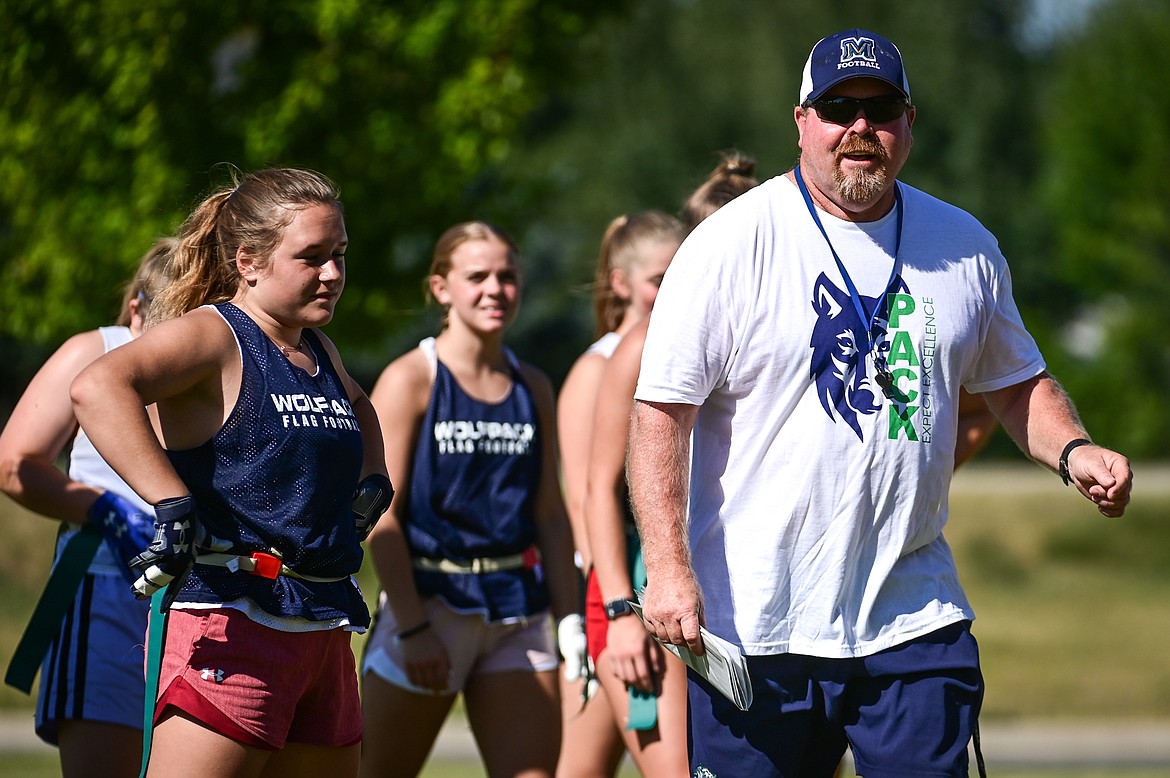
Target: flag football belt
260	564
60	590
527	559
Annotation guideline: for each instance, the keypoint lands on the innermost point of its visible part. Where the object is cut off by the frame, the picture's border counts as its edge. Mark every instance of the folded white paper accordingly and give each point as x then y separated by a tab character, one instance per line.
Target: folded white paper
722	664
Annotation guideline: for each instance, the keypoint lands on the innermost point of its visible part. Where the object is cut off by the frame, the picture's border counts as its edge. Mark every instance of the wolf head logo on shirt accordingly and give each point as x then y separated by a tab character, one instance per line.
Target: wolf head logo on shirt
843	374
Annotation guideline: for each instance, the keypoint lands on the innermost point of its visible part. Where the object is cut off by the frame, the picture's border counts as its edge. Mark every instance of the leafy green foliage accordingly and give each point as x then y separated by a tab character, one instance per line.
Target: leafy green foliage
663	90
553	117
115	115
1105	179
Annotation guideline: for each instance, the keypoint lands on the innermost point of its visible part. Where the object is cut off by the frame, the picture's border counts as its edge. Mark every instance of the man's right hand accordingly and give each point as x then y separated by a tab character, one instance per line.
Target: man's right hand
672	609
172	554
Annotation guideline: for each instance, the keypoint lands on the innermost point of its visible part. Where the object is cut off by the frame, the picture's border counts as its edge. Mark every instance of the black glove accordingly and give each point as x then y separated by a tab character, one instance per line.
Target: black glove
168	560
126	529
370	501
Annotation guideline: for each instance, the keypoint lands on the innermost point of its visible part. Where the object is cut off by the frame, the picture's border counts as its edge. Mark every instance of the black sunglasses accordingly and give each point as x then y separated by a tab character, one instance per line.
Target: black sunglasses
843	110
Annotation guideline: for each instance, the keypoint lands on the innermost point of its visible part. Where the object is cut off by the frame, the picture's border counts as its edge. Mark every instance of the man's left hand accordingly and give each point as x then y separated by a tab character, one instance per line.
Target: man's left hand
1103	476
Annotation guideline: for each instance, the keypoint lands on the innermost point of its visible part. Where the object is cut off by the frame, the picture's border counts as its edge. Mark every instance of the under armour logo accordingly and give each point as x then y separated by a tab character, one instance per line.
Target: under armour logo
182	544
111	521
208	674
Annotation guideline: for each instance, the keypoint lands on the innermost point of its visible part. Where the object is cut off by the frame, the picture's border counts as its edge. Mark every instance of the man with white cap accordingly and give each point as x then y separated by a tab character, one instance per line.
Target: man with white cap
814	335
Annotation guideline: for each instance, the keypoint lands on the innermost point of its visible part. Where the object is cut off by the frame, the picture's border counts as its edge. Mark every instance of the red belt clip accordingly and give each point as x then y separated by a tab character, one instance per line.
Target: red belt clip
267	565
531	558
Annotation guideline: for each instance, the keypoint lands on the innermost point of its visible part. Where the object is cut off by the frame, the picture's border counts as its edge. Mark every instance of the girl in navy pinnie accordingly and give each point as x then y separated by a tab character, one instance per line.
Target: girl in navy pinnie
475	553
269	474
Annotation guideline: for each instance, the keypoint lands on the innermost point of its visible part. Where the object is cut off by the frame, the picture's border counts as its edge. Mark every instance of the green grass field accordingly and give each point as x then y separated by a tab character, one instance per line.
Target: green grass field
44	767
1073	613
22	766
1072	608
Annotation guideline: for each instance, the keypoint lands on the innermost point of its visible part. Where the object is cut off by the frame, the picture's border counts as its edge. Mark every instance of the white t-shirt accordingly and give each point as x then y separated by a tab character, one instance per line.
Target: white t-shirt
817	505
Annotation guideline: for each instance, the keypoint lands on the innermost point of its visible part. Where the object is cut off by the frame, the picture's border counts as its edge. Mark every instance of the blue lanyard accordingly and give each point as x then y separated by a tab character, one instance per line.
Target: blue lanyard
883	301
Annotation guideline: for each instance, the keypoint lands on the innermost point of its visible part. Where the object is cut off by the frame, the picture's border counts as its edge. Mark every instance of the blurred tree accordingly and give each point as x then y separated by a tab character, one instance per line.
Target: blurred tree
667	87
114	115
551	118
1106	153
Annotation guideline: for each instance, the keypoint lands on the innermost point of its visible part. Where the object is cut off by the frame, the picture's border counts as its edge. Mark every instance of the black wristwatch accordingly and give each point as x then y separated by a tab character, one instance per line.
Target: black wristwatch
615	609
1062	465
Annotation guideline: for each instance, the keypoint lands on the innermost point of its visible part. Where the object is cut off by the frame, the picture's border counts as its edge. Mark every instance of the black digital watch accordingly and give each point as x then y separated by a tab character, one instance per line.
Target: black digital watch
615	609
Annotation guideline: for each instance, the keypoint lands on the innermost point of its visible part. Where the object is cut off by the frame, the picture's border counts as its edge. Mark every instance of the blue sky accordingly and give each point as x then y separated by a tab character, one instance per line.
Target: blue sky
1049	19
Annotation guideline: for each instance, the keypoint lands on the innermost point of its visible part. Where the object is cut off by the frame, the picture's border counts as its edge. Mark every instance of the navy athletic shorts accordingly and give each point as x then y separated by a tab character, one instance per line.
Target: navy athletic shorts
93	671
907	711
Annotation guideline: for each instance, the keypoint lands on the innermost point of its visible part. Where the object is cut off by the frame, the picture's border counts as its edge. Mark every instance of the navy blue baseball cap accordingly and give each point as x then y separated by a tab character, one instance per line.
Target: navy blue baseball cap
852	54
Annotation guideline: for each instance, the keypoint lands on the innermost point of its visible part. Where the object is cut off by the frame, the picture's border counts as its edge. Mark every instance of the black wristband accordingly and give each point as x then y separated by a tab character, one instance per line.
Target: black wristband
617	608
417	629
174	508
1063	464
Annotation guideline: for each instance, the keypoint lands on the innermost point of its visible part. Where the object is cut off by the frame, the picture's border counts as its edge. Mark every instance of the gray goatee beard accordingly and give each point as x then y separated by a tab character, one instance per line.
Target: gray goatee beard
861	187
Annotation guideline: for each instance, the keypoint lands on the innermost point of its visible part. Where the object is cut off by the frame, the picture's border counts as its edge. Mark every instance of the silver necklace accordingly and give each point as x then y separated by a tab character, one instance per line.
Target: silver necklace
286	350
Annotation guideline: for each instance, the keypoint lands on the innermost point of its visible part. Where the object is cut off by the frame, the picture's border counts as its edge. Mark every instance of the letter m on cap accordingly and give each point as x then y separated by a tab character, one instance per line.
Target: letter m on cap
857	48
